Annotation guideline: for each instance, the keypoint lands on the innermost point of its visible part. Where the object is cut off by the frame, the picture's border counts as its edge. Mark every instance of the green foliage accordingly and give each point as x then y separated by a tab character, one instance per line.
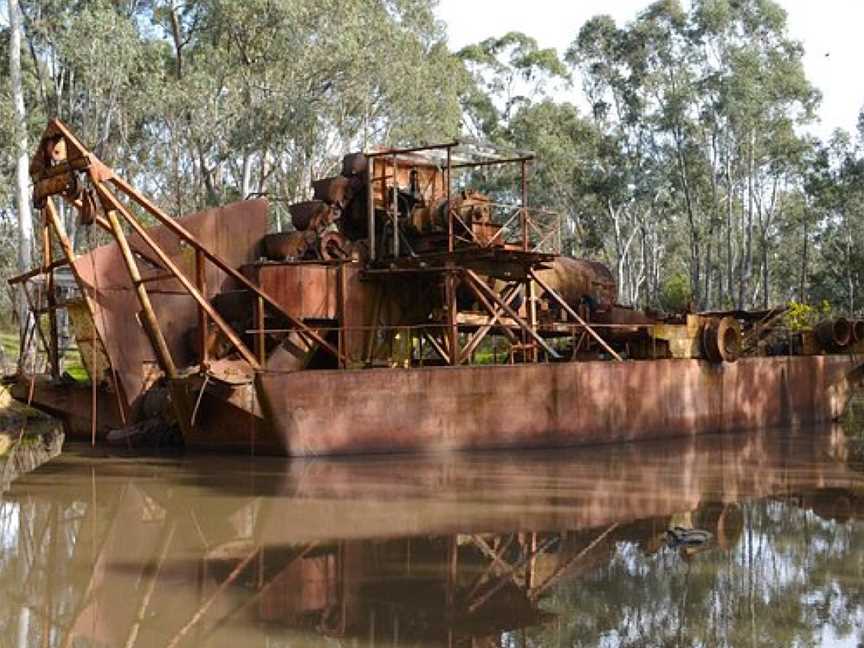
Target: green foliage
202	102
676	293
800	317
687	174
506	74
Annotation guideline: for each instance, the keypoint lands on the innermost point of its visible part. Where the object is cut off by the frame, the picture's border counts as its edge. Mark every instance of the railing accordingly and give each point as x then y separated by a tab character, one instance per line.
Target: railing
424	341
531	229
519	227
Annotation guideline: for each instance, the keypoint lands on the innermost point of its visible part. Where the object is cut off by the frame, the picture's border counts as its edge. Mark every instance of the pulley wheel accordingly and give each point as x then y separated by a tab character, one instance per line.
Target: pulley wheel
721	340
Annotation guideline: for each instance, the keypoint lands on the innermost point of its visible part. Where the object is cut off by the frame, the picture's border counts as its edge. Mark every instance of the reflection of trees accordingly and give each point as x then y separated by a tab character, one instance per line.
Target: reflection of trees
39	543
790	575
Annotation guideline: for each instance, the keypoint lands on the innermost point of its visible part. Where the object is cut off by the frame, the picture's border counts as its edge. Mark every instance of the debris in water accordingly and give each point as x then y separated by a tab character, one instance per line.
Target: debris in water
678	537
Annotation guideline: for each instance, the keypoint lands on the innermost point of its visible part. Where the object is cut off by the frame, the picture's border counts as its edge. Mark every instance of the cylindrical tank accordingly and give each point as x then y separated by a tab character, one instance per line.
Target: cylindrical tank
834	334
857	330
303	213
580	281
286	245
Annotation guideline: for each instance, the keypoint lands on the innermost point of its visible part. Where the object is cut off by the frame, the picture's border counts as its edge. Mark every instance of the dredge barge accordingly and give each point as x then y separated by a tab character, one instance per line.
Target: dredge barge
404	312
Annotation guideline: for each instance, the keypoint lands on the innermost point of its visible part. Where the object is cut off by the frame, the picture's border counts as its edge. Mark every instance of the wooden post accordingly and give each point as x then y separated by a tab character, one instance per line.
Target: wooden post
531	311
260	336
342	296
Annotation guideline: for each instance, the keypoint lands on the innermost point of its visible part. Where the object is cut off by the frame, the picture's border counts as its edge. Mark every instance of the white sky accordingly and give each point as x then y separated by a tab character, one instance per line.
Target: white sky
832	27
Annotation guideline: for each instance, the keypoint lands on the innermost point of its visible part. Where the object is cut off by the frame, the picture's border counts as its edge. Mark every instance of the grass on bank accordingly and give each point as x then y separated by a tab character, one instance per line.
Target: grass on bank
71	359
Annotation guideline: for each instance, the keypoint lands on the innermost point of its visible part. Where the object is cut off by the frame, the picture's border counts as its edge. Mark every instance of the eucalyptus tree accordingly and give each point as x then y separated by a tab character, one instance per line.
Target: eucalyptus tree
610	206
756	92
683	161
507	73
273	92
204	101
835	187
20	154
711	95
630	181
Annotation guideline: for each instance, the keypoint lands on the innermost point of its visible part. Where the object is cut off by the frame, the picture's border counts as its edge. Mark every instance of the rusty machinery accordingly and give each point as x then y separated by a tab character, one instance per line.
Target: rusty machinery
389	264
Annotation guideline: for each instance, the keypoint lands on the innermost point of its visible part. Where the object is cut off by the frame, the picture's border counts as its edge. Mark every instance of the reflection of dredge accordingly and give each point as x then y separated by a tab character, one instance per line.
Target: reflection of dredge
389	266
325	546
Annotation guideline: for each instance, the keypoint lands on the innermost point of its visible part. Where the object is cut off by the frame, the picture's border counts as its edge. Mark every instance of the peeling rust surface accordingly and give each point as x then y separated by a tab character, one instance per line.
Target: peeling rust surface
232	231
551	405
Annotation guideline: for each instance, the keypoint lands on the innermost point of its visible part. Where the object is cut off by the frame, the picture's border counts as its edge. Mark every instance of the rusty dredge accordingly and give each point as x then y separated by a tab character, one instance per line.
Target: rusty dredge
401	314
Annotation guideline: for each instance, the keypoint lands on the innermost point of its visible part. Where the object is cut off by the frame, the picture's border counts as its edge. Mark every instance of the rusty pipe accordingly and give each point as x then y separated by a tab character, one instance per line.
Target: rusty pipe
857	330
834	334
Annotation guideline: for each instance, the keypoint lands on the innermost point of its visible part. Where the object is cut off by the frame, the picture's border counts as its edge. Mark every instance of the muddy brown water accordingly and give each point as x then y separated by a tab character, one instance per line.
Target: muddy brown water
563	548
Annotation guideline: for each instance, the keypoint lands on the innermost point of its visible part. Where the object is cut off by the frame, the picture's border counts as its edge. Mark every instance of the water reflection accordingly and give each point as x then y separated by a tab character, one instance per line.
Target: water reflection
563	548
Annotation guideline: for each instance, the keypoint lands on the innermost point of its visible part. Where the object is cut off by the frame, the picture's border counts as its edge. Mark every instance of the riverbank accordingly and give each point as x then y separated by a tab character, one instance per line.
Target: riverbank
28	439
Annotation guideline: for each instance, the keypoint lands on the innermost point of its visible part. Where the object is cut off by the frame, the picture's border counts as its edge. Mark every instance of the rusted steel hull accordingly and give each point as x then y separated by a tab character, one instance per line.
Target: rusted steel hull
72	404
315	413
318	413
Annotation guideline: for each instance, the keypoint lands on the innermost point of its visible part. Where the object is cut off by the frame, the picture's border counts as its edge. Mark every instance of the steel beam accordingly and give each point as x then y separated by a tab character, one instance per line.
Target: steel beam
108	198
203	321
70	258
181	232
508	295
451	308
478	282
437	346
370	207
59	263
54	344
151	324
563	304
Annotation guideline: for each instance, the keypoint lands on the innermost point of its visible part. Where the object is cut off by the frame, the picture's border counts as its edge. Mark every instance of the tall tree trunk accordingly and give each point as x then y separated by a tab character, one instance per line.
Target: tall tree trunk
695	258
748	233
246	189
23	627
22	181
765	274
850	275
729	295
802	292
709	268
